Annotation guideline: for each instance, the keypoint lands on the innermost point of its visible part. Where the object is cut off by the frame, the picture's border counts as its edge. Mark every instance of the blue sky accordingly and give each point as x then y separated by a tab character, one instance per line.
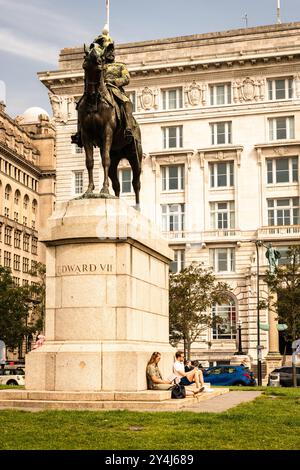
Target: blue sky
32	32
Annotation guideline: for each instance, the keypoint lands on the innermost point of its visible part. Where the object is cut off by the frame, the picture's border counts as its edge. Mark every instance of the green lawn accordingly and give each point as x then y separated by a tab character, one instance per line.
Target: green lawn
272	421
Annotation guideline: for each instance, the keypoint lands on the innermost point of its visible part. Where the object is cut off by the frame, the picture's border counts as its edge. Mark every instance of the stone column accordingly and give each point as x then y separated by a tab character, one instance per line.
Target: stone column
273	358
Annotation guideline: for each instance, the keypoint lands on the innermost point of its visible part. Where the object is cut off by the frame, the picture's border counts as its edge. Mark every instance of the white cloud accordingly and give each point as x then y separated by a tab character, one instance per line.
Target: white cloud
42	20
26	48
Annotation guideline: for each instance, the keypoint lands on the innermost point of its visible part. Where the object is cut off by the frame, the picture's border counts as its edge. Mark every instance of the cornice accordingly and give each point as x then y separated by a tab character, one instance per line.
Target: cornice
17	226
20	161
71	77
220	152
170	152
277	149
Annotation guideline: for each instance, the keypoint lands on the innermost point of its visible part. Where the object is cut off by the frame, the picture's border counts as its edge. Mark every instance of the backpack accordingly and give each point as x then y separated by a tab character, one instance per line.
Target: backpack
178	391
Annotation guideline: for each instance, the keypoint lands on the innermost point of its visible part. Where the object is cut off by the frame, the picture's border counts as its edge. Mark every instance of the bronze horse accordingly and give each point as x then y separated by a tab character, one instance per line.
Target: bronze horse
100	126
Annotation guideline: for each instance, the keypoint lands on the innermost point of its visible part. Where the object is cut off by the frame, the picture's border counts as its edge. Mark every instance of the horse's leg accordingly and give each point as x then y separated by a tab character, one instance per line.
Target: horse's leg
135	163
105	156
89	161
113	173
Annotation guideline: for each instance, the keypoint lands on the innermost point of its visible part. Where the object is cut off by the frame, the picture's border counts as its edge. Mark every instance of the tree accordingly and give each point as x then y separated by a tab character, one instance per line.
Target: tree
14	310
193	292
37	294
285	282
21	307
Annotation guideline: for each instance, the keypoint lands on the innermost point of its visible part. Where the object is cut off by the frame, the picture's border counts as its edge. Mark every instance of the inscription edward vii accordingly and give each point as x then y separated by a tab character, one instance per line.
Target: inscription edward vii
83	268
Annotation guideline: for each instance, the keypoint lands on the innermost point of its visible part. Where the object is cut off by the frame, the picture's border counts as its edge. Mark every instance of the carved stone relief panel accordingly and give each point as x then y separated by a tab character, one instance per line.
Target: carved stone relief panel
148	99
248	89
195	94
60	107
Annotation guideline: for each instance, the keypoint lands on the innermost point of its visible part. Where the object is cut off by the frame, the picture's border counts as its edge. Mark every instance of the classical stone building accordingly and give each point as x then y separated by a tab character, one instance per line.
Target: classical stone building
220	124
27	189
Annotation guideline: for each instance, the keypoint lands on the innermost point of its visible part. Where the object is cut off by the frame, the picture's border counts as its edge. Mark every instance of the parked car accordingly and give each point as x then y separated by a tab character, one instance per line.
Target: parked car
12	376
284	376
229	375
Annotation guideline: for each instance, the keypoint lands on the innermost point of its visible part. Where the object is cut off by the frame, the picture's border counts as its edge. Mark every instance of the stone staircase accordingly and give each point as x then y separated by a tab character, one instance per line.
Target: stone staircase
148	400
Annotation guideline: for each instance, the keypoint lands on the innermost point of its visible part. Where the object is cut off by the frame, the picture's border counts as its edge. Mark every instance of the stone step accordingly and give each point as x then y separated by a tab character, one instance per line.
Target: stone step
30	404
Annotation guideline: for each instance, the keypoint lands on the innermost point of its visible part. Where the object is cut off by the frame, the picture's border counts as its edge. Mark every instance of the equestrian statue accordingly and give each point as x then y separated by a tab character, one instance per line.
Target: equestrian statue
105	118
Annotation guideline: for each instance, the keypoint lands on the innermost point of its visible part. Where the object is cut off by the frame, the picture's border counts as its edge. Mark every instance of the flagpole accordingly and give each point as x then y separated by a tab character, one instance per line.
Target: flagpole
278	12
107	12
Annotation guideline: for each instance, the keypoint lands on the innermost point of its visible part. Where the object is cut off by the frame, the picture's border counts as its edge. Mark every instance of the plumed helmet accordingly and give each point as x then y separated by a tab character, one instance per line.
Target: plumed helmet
103	40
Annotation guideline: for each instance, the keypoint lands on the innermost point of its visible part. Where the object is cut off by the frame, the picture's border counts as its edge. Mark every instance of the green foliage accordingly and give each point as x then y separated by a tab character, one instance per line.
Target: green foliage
192	293
285	281
21	309
37	293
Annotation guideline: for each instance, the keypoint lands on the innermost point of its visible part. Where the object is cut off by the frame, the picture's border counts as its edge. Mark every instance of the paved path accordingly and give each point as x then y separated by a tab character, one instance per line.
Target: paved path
223	402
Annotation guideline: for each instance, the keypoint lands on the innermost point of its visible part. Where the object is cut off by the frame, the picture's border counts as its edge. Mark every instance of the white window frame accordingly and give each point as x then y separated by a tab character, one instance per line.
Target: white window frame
218	215
178	137
215	97
77	150
292	170
179	261
216	134
274	129
171	104
218	310
166	178
173	216
78	185
288	88
229	257
123	181
289	211
214	174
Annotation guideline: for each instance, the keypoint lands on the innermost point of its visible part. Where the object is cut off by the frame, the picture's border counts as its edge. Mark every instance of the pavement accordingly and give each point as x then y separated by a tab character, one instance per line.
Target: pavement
224	402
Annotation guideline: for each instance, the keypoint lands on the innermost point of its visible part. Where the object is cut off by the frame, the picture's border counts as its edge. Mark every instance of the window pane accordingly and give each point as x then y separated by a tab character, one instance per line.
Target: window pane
126	181
270	83
269	171
280	89
282	170
221	133
295	169
172	137
281	128
164	178
231	174
220	94
290	88
173	177
172	99
222	174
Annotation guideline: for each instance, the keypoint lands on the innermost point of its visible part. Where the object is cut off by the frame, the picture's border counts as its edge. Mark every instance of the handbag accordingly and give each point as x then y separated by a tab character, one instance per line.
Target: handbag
178	391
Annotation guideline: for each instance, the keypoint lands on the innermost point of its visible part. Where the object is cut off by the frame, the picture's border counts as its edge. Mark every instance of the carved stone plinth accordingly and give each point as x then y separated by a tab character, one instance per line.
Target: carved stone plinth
107	300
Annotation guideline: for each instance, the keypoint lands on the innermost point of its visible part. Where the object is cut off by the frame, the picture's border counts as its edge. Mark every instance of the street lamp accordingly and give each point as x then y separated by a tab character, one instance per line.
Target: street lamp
259	347
240	350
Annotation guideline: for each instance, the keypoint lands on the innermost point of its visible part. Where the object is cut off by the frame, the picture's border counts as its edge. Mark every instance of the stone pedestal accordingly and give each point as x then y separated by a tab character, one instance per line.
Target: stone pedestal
106	299
273	358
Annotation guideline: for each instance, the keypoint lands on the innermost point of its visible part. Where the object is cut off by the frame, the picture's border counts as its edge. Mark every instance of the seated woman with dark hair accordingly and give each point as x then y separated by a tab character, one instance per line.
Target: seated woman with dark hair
154	377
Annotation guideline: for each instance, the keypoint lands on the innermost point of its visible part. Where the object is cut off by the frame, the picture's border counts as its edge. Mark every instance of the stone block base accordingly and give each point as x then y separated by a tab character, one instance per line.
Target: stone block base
135	401
93	367
273	360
